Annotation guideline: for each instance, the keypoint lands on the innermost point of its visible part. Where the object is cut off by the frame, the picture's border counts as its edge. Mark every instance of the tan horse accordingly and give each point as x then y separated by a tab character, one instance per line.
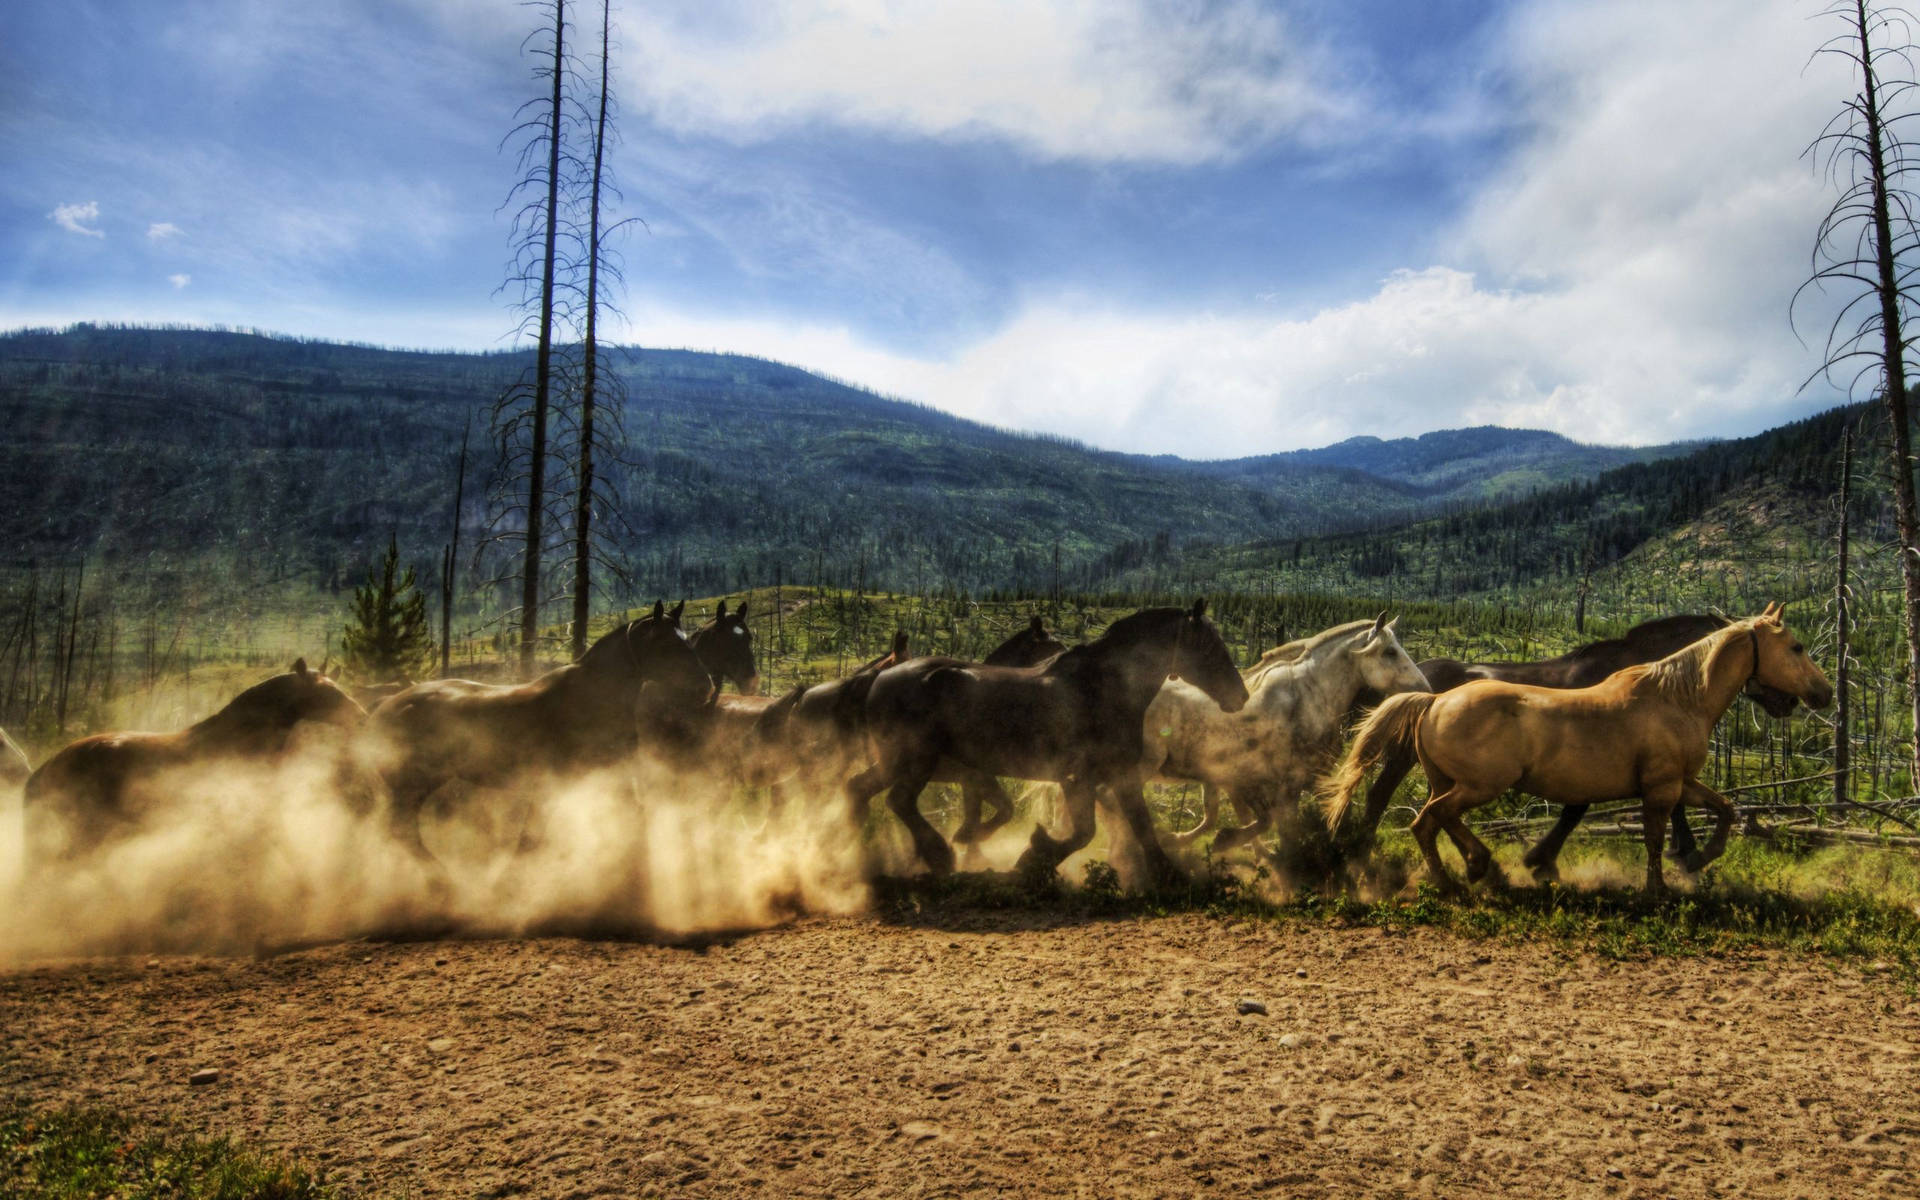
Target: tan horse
1640	732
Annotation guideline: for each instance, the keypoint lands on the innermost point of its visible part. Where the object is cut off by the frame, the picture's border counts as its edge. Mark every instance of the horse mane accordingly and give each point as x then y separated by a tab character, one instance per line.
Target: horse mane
1681	675
1128	630
1301	649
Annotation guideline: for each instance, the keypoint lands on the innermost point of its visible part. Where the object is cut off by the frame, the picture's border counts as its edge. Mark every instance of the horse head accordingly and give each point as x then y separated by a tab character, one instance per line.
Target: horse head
310	696
1384	665
725	646
1781	662
1200	657
1030	647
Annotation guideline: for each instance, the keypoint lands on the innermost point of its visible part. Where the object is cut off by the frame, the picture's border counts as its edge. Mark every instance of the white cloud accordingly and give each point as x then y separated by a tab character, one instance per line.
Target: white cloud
75	218
179	281
1625	277
160	231
1072	79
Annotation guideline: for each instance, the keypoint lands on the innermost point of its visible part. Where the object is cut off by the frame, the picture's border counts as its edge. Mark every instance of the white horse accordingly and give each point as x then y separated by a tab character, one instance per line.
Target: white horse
1290	729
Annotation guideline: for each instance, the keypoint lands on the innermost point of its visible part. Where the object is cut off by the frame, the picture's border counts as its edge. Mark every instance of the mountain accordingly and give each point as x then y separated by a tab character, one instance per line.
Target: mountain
225	464
1484	461
1727	523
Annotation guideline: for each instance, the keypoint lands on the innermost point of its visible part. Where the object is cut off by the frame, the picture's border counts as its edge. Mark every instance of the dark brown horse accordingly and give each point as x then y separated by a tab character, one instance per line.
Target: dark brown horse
575	718
90	792
1075	721
1584	666
725	647
824	730
1028	648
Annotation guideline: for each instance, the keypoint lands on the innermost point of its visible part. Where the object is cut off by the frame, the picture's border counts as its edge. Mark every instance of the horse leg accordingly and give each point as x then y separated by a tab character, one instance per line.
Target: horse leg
1544	857
1393	768
980	791
1656	805
1209	819
1131	800
1686	850
860	791
1426	828
1253	801
904	800
1045	853
1699	793
1479	859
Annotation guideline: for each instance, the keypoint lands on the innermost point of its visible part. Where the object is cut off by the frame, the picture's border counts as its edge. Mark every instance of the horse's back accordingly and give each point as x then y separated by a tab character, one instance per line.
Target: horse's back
1572	745
84	785
1445	674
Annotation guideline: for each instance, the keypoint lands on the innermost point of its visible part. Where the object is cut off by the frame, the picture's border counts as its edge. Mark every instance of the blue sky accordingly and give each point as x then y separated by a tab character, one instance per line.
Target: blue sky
1207	227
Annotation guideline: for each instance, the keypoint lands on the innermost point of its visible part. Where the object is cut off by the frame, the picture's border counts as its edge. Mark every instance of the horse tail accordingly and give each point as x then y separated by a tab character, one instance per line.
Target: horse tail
1389	727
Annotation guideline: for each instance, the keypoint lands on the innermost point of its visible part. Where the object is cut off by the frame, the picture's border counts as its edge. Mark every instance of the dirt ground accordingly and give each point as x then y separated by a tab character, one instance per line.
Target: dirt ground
985	1053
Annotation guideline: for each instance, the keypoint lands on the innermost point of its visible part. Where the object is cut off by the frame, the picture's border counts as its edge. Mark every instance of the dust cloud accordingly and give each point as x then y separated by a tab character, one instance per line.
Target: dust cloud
248	858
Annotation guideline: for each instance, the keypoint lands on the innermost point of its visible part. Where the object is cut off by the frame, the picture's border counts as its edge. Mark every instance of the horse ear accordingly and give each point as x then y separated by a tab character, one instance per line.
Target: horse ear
1036	625
673	614
659	610
720	614
1199	608
900	643
300	667
1379	623
740	614
1392	623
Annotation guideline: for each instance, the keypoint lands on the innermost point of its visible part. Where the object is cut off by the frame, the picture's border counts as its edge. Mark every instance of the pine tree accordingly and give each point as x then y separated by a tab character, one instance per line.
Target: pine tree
387	638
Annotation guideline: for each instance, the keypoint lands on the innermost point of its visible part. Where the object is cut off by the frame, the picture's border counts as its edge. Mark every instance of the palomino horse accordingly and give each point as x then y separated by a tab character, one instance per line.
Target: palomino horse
725	647
1073	720
1641	732
1273	749
574	718
92	788
1583	666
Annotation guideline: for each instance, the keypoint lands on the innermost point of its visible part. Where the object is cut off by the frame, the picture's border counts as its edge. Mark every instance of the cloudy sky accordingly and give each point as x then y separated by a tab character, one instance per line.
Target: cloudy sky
1206	227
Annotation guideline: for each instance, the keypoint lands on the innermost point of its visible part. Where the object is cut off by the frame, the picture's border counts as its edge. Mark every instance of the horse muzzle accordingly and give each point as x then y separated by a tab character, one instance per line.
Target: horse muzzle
750	686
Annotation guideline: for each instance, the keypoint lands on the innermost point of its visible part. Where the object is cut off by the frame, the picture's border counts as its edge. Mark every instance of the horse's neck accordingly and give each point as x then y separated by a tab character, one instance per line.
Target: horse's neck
1728	667
1133	675
1723	670
234	730
1323	688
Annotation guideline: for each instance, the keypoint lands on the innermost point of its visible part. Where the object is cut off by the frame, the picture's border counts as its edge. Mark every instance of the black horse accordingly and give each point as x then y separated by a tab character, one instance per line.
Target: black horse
574	718
725	647
1581	667
1074	720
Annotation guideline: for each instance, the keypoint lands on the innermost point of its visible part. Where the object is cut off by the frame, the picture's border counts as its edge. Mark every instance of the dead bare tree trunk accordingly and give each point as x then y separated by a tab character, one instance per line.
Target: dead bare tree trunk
583	483
543	367
1842	732
452	556
1859	247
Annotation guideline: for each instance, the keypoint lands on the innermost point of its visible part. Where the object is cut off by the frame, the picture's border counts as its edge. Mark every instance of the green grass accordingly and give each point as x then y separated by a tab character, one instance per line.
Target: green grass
73	1153
1829	905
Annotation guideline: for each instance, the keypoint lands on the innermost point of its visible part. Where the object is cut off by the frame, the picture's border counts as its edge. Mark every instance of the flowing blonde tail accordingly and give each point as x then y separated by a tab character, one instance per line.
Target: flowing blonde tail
1388	727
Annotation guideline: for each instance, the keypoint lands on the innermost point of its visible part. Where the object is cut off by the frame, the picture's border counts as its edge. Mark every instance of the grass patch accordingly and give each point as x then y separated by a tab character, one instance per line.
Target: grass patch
71	1153
1851	922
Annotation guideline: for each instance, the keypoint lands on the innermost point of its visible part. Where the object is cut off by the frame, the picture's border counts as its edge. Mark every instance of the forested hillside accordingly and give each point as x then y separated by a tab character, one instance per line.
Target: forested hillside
276	460
1719	520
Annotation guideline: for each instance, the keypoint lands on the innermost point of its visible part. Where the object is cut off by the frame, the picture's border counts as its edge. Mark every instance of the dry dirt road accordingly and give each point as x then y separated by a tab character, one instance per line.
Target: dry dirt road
993	1053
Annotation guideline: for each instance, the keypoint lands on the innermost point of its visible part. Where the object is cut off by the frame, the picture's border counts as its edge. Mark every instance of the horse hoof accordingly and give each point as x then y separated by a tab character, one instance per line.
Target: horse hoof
1695	862
1546	872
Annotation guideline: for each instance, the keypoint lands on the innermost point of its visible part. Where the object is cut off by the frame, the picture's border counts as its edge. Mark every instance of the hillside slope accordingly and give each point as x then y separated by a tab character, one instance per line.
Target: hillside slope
277	459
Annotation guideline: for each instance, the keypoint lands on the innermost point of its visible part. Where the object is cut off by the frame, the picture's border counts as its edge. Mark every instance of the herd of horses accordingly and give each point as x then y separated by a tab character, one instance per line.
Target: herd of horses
1156	696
